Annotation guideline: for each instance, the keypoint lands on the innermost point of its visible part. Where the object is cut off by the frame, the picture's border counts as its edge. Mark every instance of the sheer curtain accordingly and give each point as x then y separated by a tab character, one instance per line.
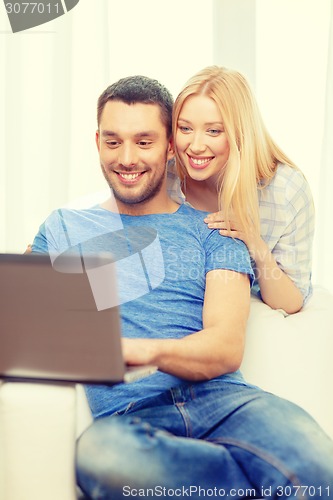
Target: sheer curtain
51	78
324	238
49	81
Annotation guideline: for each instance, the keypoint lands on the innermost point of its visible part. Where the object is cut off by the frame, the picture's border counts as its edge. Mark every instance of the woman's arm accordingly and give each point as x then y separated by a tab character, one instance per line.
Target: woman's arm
214	350
277	289
283	251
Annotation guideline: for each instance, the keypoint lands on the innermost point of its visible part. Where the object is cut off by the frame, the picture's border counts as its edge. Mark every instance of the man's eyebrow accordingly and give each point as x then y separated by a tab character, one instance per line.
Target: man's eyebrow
148	133
108	133
139	135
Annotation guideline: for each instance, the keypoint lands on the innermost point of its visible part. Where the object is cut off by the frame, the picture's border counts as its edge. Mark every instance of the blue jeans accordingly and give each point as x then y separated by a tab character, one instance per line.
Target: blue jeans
211	439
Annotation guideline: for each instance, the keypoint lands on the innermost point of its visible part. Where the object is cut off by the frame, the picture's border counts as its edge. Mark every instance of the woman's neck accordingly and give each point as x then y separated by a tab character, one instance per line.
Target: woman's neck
201	194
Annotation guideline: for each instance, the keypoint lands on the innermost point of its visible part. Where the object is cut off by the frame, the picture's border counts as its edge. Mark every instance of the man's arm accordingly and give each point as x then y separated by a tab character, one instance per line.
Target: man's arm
217	348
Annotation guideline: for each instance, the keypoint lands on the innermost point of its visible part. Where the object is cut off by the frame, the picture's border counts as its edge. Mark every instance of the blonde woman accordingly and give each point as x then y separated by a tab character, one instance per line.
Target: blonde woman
229	165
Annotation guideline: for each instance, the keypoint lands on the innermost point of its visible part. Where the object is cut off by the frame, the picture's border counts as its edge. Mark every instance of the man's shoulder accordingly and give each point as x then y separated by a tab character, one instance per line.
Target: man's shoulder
190	220
187	210
193	219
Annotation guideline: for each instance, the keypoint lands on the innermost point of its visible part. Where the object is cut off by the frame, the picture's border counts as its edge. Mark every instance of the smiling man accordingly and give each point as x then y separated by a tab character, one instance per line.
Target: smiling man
195	426
133	155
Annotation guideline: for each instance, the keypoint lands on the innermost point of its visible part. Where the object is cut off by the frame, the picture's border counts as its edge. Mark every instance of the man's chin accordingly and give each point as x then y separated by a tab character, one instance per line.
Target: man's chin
128	196
137	198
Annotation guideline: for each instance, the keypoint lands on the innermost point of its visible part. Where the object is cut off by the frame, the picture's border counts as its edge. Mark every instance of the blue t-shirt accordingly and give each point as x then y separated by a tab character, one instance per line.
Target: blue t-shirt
162	261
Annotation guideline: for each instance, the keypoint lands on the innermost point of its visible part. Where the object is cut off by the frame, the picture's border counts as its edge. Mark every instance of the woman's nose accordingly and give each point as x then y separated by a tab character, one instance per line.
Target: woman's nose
197	144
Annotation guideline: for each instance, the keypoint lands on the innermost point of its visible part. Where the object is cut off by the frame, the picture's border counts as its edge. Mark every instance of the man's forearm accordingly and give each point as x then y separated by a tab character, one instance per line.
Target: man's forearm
199	356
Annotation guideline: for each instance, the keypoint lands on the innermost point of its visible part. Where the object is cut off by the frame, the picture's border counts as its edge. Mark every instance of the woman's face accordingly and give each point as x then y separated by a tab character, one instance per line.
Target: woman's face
200	138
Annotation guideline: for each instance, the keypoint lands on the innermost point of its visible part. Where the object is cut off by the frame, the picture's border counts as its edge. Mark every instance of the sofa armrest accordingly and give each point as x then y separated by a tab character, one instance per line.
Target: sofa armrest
84	416
2	455
292	356
37	441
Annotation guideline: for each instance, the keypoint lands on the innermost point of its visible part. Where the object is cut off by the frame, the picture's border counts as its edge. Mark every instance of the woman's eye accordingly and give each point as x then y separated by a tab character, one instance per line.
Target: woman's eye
214	131
184	129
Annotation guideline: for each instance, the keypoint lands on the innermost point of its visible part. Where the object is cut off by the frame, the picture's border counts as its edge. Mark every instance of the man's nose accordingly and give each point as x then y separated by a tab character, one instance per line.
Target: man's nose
127	155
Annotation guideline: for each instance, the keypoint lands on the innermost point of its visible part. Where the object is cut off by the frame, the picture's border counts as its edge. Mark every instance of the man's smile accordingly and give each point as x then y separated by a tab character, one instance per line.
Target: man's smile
129	177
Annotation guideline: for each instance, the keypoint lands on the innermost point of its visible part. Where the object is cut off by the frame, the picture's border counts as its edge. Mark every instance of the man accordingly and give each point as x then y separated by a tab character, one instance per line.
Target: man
195	427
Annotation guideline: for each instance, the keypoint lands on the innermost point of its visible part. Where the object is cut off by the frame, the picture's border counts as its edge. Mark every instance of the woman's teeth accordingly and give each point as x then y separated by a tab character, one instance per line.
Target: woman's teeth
200	161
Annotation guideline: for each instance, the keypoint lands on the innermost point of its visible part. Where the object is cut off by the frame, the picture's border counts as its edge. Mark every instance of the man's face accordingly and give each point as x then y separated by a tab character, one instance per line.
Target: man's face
134	148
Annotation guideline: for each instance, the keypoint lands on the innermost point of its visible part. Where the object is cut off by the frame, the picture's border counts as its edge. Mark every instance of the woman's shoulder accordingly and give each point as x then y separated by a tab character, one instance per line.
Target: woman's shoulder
286	175
288	186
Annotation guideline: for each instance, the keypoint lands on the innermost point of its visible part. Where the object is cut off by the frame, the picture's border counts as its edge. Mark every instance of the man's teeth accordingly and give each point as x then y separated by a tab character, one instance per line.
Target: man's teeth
199	161
129	177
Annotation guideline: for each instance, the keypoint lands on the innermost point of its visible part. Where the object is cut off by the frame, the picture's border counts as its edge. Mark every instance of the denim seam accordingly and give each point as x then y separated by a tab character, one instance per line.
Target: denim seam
187	421
180	405
263	456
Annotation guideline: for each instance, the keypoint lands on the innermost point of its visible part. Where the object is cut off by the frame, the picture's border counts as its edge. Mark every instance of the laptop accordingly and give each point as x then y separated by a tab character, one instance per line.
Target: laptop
51	328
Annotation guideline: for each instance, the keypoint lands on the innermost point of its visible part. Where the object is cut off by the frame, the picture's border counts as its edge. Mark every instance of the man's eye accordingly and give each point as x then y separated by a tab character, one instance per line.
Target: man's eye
112	144
144	143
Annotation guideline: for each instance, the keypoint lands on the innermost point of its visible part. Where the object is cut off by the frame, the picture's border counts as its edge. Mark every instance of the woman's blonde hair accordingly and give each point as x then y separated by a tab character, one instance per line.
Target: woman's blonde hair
253	156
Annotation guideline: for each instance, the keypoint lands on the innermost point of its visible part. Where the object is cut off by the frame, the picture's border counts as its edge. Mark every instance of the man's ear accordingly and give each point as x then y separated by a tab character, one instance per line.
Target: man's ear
97	140
171	151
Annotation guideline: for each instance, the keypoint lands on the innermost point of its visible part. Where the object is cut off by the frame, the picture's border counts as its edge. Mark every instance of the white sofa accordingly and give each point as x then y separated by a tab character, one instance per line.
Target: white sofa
290	356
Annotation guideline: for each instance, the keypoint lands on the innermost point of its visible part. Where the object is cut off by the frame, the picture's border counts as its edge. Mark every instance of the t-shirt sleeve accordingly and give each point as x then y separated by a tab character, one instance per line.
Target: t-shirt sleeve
46	240
227	253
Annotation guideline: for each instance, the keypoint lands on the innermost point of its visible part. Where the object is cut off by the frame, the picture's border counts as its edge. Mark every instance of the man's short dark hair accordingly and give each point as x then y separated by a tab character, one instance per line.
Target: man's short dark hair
139	89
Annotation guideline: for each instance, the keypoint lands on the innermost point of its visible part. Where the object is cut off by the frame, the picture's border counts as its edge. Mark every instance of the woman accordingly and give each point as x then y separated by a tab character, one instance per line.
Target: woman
228	164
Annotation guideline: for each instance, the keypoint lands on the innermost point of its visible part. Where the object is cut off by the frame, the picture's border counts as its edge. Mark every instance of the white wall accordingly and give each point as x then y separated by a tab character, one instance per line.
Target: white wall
291	76
281	46
291	85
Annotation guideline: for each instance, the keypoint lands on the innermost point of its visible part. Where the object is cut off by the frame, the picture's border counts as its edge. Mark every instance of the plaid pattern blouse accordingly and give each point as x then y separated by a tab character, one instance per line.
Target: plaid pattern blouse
287	222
